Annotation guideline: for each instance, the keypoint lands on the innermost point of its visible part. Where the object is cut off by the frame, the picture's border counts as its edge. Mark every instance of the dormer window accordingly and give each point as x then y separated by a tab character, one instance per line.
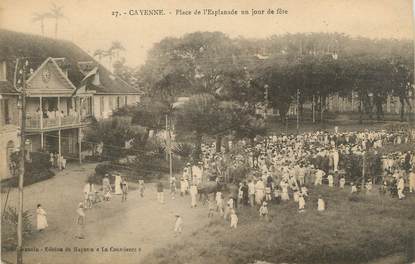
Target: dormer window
3	71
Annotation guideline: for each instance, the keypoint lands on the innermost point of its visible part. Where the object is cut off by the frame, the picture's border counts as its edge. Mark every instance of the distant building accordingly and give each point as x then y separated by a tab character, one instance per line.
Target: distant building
66	89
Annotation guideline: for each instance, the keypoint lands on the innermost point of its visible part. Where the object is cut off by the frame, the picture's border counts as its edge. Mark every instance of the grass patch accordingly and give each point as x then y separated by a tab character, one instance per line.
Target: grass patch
371	227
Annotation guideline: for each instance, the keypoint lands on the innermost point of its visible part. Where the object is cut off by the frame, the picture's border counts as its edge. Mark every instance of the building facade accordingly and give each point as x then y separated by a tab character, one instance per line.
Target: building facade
66	90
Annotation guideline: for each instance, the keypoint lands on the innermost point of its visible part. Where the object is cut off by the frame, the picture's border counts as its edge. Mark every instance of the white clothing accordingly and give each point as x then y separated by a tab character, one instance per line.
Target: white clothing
42	223
331	180
117	185
234	220
178	226
193	195
319	177
321	206
335	160
411	181
301	203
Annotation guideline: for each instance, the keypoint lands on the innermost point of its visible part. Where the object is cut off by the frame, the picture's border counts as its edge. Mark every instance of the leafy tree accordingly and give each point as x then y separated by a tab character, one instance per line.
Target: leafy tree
114	133
198	117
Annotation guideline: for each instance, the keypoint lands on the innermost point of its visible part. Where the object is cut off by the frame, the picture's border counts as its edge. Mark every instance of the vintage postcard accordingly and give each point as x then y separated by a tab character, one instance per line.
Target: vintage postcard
195	131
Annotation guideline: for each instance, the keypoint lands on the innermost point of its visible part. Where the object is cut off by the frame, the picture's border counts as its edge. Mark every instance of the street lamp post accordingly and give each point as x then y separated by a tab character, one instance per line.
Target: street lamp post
19	252
298	110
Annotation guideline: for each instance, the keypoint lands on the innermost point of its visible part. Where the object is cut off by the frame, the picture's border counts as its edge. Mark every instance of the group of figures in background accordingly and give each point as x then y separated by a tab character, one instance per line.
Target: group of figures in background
278	169
281	168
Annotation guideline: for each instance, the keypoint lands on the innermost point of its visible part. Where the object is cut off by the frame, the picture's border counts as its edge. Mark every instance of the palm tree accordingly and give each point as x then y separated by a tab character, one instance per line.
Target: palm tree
41	17
56	12
117	47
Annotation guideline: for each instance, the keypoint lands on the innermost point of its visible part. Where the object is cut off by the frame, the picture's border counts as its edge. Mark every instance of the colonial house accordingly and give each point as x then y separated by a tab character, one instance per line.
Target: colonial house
9	123
65	90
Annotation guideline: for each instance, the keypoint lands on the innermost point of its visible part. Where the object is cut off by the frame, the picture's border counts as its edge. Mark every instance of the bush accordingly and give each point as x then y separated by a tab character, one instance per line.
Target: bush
9	227
36	171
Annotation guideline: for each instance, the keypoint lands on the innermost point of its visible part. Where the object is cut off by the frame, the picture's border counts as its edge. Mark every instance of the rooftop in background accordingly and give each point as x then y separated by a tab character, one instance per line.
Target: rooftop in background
77	62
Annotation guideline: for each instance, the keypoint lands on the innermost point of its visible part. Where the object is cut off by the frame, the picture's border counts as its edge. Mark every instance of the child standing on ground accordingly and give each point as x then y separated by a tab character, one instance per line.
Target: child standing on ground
321	205
234	219
263	211
141	187
178	226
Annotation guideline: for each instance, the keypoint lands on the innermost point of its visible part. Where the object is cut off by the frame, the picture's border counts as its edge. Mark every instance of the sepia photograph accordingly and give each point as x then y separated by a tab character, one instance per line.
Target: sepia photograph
207	132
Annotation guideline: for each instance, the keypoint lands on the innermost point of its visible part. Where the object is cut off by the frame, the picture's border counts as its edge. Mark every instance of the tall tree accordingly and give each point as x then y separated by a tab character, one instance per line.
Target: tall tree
56	12
40	17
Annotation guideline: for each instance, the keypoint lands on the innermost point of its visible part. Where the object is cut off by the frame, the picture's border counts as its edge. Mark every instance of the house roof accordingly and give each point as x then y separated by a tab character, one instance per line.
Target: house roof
6	87
37	49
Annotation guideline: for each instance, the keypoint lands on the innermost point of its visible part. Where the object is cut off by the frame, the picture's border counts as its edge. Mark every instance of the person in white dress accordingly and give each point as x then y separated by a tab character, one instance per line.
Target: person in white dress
335	160
321	205
284	194
401	186
259	191
42	223
330	180
117	184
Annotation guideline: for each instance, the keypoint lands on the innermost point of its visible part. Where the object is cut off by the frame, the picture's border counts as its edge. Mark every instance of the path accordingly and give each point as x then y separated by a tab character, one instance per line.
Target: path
140	223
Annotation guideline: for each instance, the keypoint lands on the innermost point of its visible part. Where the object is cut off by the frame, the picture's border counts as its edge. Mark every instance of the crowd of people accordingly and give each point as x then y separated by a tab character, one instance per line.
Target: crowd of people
281	168
276	169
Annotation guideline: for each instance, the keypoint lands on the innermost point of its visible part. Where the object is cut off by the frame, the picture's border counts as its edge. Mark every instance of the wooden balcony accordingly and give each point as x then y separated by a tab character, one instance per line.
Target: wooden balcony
36	123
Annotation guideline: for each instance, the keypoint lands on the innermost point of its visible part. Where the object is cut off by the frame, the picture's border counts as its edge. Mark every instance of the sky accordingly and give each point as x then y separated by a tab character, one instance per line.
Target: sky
91	25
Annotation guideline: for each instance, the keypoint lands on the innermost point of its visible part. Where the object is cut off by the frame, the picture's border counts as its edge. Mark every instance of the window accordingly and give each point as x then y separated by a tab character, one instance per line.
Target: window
125	100
6	111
